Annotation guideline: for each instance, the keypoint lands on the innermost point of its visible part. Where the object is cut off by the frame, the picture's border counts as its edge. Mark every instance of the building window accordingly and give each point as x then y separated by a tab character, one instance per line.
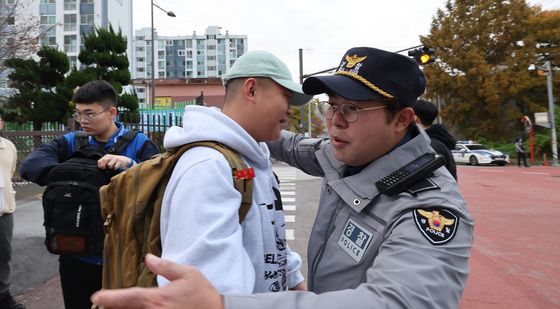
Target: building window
139	49
140	59
70	22
45	1
211	37
69	5
211	58
188	43
48	40
140	70
211	47
48	19
140	90
169	43
161	54
189	53
211	68
141	100
86	1
140	38
189	73
161	74
70	43
180	53
86	19
200	52
73	61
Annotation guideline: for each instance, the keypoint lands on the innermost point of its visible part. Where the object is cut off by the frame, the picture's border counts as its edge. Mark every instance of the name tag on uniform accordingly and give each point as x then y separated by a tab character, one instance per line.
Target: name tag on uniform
354	240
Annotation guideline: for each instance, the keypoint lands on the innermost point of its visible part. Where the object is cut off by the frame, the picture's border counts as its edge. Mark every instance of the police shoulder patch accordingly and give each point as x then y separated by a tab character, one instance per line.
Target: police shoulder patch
436	224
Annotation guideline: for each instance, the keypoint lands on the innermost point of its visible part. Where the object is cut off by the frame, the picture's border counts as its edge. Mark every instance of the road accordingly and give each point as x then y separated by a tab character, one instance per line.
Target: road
516	255
515	259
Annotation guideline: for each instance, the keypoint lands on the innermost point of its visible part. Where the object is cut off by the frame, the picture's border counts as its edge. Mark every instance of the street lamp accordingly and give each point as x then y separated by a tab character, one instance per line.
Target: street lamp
549	71
153	92
547	68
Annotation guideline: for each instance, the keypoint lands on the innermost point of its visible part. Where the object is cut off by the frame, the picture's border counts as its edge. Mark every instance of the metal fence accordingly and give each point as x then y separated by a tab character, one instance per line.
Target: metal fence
25	140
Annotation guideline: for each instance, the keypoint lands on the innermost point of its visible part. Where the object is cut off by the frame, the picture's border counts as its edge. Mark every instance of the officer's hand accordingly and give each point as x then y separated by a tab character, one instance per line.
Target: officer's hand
187	289
114	162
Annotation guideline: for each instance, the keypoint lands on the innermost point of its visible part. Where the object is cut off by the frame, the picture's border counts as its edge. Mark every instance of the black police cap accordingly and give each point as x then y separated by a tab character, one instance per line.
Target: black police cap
367	73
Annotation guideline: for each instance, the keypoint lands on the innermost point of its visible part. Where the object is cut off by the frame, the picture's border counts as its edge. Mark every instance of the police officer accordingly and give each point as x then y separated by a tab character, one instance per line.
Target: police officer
368	248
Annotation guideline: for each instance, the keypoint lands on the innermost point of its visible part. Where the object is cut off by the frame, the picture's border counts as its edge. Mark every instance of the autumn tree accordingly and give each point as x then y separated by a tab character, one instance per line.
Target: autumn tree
104	57
41	94
484	49
317	124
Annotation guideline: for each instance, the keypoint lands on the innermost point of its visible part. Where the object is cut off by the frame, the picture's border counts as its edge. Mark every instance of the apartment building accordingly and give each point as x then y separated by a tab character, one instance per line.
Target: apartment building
195	56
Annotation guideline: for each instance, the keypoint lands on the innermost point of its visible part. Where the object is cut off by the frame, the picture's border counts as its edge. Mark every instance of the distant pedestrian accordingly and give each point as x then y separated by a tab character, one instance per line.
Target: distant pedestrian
8	159
520	149
441	140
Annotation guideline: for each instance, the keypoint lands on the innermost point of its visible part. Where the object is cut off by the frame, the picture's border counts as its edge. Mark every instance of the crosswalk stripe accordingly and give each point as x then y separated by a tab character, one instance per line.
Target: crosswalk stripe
287	193
290	218
289	207
290	234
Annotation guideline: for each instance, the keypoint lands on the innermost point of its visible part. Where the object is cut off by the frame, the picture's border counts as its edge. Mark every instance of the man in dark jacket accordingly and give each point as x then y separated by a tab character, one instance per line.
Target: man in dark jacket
442	141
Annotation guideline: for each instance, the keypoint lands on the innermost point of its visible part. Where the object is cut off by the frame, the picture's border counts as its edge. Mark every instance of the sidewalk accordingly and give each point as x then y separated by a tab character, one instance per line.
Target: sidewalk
46	295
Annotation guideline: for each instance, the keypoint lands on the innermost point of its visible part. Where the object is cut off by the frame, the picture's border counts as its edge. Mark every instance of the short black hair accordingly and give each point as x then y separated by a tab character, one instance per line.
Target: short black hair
426	112
1	114
96	91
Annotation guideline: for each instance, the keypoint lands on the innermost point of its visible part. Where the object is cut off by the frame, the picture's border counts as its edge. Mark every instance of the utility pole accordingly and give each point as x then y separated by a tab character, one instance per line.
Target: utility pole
302	108
548	67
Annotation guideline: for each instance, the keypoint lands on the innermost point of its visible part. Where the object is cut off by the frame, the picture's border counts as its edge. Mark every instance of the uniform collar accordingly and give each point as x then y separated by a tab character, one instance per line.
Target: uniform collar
359	190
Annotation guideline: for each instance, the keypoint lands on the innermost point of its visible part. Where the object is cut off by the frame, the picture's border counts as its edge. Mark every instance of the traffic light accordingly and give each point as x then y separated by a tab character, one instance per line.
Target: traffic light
422	55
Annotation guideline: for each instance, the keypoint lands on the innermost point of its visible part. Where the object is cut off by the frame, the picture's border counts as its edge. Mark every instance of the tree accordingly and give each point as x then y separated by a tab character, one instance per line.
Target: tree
41	94
317	124
104	57
484	49
19	38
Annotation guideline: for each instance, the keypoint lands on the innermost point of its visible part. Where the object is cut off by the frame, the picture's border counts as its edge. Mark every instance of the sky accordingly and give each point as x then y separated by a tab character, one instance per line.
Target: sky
324	29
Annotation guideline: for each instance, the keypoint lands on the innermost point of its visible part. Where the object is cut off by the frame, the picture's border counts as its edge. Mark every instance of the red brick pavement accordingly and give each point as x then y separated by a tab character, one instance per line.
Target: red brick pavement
516	254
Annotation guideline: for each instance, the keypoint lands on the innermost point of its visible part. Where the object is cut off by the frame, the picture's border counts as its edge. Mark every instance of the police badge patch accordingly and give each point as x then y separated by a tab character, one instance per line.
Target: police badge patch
436	224
355	240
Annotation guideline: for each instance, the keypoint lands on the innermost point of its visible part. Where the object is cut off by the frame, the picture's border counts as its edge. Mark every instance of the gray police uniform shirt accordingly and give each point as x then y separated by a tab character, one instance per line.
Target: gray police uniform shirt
370	250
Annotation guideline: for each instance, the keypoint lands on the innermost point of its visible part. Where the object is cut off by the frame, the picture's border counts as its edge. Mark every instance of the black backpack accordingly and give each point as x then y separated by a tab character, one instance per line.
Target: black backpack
72	216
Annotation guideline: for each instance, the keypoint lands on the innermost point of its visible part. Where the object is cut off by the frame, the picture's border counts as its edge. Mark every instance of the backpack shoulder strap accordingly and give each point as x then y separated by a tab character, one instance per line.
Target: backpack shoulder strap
243	184
121	144
80	139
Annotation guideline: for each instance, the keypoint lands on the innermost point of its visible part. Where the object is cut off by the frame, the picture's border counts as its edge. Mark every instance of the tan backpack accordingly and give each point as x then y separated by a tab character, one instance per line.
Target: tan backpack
131	207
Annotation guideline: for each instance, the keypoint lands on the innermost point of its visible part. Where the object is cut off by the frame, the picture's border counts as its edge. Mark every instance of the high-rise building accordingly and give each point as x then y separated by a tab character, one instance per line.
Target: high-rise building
183	57
66	21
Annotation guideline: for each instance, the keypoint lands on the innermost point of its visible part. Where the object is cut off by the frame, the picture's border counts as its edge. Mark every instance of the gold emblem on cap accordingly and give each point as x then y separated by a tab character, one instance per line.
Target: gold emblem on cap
436	221
353	60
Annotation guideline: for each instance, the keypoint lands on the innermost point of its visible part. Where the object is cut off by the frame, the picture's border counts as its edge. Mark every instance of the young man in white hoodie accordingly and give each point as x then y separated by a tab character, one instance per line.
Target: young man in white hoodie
199	219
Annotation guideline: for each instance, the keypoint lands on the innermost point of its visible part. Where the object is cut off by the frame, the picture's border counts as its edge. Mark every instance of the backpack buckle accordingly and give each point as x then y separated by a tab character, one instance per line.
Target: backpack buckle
107	223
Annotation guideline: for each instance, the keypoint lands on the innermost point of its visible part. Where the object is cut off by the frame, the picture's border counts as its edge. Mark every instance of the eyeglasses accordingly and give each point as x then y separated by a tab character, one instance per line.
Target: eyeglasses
348	111
88	117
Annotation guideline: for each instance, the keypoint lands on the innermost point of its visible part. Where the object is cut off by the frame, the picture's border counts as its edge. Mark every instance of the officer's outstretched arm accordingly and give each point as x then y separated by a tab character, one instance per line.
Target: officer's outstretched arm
297	151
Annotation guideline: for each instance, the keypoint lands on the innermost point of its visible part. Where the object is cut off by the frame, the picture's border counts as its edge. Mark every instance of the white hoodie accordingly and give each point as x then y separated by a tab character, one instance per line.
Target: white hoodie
199	217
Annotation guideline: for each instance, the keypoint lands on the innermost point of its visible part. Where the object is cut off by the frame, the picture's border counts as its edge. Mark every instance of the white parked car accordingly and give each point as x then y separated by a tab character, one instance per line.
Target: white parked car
475	154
